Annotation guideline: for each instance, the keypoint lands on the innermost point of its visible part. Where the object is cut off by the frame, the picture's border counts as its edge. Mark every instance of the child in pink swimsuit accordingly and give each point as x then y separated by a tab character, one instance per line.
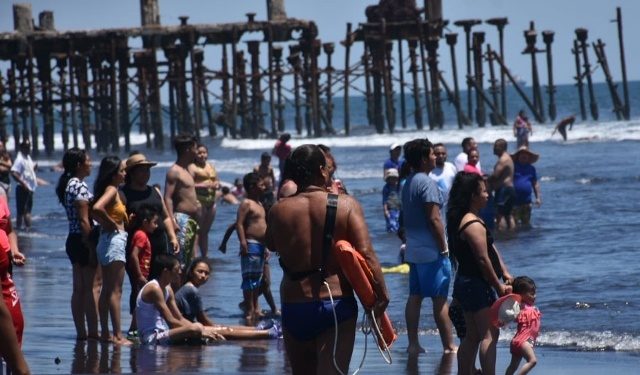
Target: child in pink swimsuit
528	327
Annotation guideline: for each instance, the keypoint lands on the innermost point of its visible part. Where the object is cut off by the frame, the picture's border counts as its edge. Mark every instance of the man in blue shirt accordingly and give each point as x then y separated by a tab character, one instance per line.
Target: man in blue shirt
395	150
426	252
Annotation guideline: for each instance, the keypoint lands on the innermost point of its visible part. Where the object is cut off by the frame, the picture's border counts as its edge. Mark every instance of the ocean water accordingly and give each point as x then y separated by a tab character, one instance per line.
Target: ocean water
581	250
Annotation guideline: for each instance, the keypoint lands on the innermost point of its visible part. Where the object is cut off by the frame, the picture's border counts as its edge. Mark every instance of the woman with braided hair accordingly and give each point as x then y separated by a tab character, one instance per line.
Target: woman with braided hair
74	194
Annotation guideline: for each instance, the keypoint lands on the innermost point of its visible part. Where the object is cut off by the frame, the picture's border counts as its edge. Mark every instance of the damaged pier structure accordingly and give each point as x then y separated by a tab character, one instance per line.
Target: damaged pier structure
94	87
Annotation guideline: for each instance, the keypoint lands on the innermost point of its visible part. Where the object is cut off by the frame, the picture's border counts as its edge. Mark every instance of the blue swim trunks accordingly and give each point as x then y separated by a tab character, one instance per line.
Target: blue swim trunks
252	265
430	279
306	320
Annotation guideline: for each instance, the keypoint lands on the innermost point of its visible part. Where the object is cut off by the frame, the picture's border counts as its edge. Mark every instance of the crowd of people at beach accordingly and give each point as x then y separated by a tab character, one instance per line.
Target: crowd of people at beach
444	217
159	238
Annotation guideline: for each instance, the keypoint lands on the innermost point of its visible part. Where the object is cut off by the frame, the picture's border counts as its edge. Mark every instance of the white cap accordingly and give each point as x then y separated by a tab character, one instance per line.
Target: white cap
394	146
391	172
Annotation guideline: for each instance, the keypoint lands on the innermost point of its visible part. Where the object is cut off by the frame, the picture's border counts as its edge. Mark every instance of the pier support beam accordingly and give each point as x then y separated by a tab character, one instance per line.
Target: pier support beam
582	35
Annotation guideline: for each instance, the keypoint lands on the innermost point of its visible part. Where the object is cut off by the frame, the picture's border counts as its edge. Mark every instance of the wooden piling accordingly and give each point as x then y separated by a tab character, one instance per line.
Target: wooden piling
226	94
623	65
328	49
140	62
278	74
413	68
113	88
387	85
618	107
32	100
582	35
478	77
452	39
433	36
467	25
367	84
531	36
425	80
233	121
294	61
403	106
43	61
347	83
272	97
547	38
495	109
500	23
243	96
123	96
13	96
576	52
61	65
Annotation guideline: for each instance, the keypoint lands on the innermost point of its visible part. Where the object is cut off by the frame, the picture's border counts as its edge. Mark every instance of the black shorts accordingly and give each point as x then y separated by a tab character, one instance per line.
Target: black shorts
77	250
24	200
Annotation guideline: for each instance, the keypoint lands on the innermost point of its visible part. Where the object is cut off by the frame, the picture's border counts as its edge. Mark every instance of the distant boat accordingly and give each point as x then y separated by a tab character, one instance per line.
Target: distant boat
521	81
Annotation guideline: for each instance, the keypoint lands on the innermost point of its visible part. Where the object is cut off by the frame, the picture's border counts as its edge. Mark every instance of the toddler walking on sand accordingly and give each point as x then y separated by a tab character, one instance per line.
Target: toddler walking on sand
528	327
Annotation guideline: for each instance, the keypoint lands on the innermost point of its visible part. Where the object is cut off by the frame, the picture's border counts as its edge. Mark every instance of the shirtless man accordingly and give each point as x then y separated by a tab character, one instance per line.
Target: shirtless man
296	231
562	126
180	197
251	225
502	181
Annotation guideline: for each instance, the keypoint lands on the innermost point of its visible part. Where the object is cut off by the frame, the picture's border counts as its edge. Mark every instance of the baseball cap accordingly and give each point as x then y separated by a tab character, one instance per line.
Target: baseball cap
394	146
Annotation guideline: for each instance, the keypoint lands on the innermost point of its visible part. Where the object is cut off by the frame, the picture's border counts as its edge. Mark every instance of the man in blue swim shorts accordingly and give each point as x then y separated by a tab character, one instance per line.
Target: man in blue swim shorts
251	225
426	251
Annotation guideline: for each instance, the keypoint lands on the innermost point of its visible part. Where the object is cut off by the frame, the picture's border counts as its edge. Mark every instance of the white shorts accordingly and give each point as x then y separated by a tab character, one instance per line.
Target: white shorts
157	337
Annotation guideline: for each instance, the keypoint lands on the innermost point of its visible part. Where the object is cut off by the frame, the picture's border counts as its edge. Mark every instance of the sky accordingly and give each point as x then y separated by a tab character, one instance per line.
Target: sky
331	16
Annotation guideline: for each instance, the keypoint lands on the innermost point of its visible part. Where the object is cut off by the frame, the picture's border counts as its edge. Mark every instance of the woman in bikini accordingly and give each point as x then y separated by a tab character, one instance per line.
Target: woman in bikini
295	231
207	184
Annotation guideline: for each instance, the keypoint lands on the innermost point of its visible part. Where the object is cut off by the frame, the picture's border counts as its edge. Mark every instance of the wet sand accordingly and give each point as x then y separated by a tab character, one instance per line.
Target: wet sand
268	356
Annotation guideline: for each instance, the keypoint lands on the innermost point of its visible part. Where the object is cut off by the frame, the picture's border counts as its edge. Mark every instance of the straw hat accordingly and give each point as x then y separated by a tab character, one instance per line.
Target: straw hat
523	149
136	160
505	310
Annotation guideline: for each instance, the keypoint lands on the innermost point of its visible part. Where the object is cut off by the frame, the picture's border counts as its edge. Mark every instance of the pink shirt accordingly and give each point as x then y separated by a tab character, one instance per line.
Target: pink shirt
528	326
5	216
472	169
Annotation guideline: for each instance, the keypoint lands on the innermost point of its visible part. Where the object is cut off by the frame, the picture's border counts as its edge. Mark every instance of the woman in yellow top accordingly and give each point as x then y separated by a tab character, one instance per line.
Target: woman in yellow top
207	184
111	213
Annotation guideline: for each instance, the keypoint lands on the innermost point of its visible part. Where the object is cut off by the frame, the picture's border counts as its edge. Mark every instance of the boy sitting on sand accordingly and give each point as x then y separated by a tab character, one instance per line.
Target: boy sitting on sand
251	226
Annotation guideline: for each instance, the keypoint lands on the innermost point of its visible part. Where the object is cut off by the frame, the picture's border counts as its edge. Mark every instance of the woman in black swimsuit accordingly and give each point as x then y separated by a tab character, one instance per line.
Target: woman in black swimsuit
480	268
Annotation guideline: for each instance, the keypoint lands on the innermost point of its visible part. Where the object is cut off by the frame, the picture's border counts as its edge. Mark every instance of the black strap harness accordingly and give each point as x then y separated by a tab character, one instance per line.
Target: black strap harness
327	242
